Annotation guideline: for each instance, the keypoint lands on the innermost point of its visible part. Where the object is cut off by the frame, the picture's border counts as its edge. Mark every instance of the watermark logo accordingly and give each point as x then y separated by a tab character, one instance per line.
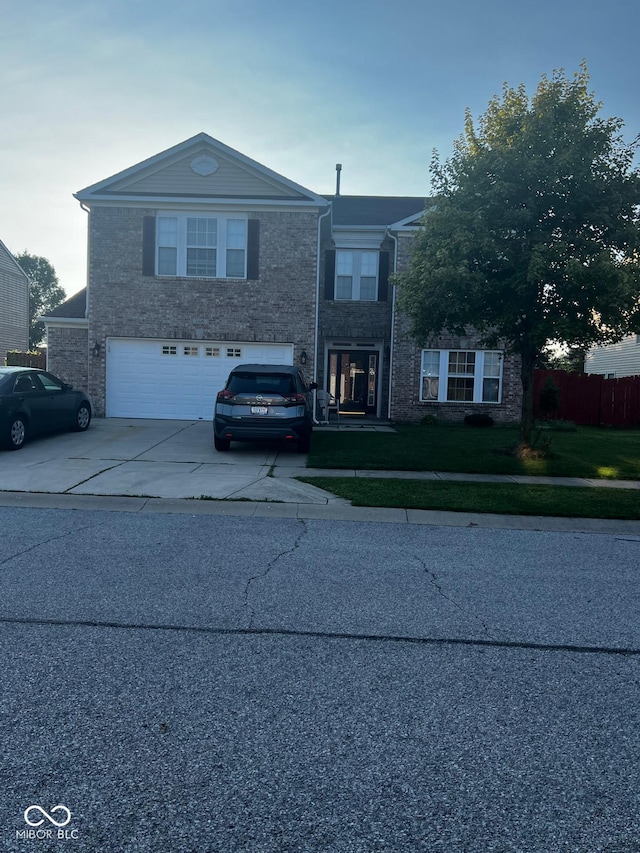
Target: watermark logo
46	816
47	825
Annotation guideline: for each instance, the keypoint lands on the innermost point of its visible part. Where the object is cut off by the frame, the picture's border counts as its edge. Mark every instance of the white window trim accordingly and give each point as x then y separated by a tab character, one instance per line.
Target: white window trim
221	247
356	274
478	377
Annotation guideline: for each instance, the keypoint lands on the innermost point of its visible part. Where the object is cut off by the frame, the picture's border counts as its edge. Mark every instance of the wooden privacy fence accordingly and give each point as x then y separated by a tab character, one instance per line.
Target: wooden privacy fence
589	399
27	359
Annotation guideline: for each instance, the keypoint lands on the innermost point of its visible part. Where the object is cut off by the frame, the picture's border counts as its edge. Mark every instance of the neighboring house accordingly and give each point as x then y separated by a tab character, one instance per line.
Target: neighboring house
615	360
201	259
14	305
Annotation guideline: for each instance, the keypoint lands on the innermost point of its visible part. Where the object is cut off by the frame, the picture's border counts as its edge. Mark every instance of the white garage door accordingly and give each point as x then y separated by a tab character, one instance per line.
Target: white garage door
176	379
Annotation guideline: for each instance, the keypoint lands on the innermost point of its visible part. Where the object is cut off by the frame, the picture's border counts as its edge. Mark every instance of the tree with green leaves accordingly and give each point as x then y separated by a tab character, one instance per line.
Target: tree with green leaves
45	293
533	233
570	360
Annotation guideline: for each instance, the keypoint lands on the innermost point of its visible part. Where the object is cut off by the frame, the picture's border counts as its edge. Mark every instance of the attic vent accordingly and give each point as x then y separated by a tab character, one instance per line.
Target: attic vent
204	165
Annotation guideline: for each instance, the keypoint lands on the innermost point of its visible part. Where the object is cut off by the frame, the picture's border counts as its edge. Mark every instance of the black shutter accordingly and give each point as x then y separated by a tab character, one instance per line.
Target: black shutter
253	249
149	245
383	277
329	273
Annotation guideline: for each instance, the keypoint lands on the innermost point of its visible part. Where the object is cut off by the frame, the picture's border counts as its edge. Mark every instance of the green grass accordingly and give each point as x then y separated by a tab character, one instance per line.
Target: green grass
507	498
591	452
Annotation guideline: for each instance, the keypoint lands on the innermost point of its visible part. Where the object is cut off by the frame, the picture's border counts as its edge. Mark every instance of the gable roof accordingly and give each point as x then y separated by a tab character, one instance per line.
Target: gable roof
370	210
200	168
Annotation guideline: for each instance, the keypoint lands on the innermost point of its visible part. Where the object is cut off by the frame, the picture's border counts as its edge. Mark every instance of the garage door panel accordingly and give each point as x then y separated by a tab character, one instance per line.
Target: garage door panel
177	380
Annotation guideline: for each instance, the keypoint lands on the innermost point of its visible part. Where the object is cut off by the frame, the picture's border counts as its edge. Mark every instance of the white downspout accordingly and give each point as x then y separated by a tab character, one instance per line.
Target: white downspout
317	317
393	323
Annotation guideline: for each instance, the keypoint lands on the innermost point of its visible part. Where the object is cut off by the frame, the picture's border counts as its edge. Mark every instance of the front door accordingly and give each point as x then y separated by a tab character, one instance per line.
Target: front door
353	380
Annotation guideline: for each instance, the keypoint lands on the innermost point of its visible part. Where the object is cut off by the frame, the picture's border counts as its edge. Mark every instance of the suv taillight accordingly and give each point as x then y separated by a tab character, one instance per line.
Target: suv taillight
225	395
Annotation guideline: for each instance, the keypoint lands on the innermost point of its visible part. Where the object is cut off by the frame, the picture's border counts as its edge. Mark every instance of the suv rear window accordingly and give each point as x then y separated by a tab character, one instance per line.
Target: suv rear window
261	383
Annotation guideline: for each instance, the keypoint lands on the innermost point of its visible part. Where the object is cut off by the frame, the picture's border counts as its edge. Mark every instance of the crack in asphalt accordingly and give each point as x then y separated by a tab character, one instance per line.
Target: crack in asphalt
5	560
433	577
267	569
327	635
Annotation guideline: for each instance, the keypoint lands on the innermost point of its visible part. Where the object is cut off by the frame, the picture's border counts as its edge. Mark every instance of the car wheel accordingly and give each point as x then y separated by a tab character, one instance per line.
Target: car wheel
17	433
221	444
83	417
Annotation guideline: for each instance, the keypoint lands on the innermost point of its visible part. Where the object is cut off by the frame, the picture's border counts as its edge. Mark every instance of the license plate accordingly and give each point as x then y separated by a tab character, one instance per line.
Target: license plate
259	410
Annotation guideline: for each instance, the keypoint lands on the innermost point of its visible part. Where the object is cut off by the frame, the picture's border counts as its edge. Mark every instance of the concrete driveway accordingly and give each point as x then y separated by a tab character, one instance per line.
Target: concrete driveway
155	458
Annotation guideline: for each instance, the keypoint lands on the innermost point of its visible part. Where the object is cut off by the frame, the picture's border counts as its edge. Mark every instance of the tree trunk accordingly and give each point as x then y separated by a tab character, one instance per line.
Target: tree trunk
526	417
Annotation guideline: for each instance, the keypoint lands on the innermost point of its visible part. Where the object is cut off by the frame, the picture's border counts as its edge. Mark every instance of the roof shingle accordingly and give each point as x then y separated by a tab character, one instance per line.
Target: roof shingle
374	210
73	308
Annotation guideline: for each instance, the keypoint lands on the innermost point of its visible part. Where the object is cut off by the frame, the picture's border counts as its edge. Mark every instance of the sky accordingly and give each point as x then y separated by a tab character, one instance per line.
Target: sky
92	88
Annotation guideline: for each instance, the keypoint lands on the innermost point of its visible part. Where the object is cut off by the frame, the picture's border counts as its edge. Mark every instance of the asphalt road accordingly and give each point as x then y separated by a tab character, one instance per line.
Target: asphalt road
182	683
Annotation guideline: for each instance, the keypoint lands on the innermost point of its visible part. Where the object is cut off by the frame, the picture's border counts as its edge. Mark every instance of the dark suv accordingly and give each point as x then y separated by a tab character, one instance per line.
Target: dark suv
264	401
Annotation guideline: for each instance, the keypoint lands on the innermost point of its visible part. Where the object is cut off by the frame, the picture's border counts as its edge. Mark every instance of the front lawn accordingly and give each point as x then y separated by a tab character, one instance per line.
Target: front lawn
591	452
502	498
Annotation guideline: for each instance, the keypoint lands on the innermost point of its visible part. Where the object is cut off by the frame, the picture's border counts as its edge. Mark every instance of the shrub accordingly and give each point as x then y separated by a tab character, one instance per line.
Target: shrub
549	398
478	419
429	420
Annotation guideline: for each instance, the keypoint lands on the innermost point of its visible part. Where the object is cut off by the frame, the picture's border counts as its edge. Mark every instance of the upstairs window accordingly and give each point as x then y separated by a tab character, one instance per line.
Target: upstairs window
461	376
356	275
201	246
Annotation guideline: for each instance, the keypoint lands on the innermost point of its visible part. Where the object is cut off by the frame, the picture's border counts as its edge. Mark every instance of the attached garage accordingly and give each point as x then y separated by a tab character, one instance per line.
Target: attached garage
170	379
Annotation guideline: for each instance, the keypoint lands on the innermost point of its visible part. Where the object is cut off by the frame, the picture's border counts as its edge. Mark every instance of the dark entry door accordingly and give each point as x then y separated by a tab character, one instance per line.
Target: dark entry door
353	380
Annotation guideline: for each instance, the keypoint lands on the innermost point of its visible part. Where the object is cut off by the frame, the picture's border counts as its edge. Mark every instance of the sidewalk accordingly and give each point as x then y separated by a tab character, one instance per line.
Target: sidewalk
131	465
446	476
338	511
319	505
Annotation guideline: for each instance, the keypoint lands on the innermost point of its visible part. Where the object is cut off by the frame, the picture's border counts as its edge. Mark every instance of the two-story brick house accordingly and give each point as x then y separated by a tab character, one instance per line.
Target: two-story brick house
201	259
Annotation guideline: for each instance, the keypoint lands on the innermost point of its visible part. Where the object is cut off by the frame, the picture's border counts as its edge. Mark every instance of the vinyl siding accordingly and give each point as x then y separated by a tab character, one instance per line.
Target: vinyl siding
230	180
622	358
14	306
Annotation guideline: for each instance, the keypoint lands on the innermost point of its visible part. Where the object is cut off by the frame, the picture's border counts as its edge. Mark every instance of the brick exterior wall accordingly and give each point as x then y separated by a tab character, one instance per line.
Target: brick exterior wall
406	372
67	355
357	322
279	307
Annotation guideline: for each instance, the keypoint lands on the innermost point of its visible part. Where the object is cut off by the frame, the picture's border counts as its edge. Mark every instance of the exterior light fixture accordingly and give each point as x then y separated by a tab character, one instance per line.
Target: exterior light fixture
95	350
303	357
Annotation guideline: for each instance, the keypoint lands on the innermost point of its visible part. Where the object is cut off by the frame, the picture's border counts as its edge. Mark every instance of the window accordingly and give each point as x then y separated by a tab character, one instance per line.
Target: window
49	383
190	351
262	383
25	384
212	352
169	350
234	352
201	246
461	376
356	275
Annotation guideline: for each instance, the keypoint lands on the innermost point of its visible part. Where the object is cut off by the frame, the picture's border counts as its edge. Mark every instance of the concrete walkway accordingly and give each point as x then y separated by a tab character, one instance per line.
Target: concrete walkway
447	476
